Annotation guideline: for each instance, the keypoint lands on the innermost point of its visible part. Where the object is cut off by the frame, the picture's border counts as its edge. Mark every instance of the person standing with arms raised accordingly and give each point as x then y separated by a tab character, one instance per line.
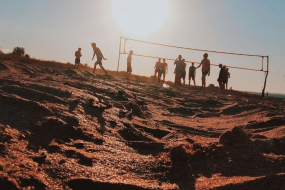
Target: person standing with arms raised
205	69
99	56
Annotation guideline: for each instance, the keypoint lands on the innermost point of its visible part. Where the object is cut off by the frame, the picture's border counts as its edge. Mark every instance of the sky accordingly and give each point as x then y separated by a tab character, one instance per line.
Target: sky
53	30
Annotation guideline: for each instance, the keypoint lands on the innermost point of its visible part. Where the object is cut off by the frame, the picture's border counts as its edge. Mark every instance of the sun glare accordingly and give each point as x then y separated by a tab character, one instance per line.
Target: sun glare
140	17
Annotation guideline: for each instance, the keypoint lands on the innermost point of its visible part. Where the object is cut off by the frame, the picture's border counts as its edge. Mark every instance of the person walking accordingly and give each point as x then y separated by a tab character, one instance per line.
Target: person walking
99	56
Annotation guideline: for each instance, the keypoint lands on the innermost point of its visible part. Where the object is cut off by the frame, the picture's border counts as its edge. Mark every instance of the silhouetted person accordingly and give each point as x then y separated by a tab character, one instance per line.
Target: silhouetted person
77	59
129	65
163	71
192	74
205	69
99	56
178	70
229	76
223	77
183	74
157	67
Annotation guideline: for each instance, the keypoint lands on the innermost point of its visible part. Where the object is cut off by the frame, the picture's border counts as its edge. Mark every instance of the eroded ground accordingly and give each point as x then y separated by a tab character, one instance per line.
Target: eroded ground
69	129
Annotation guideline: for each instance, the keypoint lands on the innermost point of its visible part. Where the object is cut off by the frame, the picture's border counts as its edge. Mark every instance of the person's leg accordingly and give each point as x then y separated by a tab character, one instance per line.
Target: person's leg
95	64
189	81
227	85
103	69
164	77
203	81
194	81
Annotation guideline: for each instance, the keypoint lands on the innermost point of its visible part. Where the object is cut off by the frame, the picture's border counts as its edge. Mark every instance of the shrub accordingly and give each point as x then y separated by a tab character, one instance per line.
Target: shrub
27	56
18	51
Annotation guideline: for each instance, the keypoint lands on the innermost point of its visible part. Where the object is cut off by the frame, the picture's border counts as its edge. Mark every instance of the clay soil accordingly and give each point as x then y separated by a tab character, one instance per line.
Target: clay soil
70	129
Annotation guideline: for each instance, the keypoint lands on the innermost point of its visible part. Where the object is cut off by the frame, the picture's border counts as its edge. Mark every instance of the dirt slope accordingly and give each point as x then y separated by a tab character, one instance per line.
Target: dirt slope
69	129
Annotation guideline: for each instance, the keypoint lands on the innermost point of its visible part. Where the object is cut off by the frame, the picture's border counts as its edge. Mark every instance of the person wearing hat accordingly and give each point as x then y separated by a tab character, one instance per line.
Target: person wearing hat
205	69
99	56
129	65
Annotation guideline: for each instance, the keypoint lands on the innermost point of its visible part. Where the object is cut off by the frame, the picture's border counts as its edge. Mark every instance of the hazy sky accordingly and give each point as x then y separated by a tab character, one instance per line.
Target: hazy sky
53	30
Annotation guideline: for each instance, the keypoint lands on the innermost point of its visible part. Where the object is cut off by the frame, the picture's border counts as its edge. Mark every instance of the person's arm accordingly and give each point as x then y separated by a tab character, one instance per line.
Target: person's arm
102	55
93	55
199	65
220	75
189	74
209	68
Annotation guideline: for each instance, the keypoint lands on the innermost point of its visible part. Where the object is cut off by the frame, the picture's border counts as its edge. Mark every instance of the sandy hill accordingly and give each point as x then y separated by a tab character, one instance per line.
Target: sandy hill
69	129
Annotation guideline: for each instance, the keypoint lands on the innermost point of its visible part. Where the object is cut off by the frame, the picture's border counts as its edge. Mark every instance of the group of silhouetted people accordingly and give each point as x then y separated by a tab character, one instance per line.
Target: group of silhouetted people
224	76
98	54
161	68
180	71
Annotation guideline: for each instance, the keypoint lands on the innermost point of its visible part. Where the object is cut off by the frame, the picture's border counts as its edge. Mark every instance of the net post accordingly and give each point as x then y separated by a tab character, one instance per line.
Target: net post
266	76
119	56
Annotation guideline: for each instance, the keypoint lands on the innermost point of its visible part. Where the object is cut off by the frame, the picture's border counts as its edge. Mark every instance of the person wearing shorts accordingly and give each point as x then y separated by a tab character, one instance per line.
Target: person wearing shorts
77	58
129	65
163	70
192	73
99	56
205	63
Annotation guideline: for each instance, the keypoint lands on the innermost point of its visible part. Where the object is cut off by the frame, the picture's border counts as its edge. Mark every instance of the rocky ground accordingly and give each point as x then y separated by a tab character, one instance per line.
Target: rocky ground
67	129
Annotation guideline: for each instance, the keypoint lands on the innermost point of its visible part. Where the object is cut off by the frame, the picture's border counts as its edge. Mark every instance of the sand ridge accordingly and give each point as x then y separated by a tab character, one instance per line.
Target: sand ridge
69	129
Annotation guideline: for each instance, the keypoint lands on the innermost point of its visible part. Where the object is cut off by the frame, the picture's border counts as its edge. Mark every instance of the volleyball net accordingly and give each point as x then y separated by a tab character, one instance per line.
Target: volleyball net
152	50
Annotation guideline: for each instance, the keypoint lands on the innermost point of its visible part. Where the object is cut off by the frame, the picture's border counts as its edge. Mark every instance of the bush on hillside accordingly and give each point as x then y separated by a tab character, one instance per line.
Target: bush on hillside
18	51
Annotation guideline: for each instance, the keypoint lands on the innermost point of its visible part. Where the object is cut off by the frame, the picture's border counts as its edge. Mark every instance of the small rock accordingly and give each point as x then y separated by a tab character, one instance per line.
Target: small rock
77	101
269	142
75	118
179	154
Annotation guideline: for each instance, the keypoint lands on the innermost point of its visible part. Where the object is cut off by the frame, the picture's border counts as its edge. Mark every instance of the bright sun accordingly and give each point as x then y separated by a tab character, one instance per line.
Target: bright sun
140	17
